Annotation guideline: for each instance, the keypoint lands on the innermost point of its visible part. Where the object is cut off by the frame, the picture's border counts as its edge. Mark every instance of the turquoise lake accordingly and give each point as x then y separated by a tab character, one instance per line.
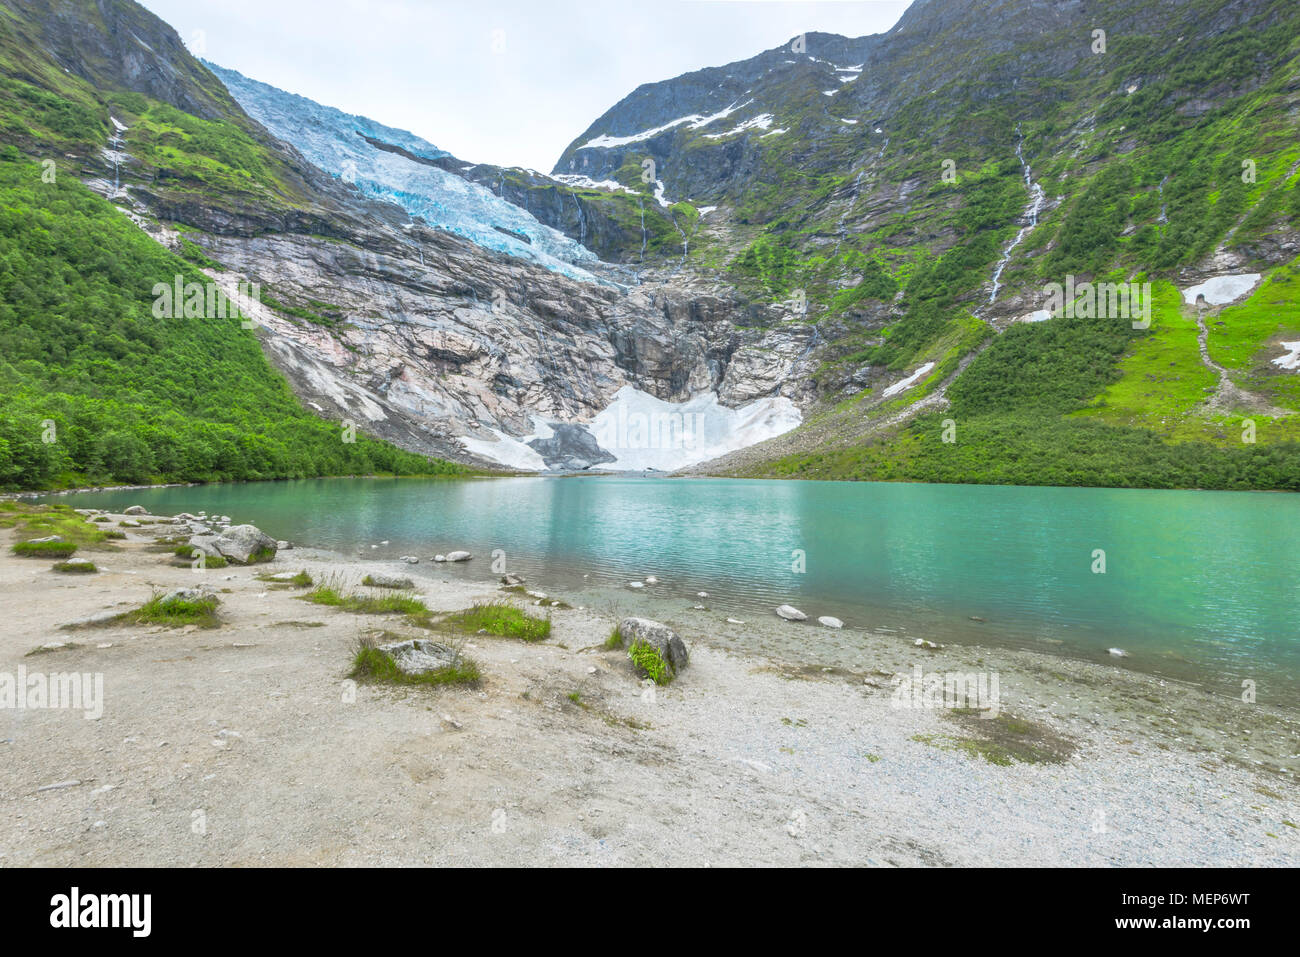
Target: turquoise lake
1196	584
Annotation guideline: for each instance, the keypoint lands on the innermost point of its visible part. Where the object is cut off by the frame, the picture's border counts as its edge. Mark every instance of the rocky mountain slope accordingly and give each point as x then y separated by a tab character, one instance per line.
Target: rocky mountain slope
922	190
380	320
855	236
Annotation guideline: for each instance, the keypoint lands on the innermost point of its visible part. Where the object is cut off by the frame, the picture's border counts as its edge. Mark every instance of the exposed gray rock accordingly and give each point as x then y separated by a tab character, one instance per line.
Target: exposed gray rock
790	613
571	447
659	636
187	594
389	581
92	621
135	510
241	542
207	544
420	655
830	622
458	556
509	579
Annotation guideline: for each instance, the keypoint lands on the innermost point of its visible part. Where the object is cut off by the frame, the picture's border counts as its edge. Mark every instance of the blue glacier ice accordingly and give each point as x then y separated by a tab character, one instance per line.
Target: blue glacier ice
329	139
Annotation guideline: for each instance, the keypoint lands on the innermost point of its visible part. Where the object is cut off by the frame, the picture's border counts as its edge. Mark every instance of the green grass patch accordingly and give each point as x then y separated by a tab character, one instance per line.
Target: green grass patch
76	568
330	596
44	549
647	659
502	620
177	612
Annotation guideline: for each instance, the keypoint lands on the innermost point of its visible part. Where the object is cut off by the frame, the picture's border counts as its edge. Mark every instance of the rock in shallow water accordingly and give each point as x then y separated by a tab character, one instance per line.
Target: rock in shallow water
790	613
830	622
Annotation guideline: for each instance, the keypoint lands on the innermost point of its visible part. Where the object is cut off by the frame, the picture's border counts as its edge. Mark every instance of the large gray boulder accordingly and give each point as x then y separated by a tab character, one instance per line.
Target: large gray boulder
790	613
419	655
659	636
245	543
135	510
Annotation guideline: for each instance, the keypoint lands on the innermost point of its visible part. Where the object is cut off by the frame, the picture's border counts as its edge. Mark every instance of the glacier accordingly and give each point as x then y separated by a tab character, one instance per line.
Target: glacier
341	144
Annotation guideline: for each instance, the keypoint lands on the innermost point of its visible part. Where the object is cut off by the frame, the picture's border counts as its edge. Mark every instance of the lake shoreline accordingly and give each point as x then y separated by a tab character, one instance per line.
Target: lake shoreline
559	756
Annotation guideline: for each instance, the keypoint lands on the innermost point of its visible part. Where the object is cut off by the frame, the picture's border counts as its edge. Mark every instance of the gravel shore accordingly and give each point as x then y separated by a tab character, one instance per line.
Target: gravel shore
245	744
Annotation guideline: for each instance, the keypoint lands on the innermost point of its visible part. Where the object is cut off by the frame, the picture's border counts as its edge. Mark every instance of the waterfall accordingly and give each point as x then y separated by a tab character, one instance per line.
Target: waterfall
1036	198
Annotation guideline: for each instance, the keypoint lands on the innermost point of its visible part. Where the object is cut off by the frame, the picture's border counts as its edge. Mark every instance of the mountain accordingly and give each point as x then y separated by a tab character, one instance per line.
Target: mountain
483	351
922	190
887	257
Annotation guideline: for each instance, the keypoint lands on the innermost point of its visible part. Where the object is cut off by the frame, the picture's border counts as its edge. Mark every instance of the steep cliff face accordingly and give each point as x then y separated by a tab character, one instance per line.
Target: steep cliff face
476	341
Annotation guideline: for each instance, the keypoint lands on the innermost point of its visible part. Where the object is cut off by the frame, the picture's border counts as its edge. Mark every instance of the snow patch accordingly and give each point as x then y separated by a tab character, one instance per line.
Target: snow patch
1291	360
760	122
586	182
907	383
512	453
1222	289
693	121
644	432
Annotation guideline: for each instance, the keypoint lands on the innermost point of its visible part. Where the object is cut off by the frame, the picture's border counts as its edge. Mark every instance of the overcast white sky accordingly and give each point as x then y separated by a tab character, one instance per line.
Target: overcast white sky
509	82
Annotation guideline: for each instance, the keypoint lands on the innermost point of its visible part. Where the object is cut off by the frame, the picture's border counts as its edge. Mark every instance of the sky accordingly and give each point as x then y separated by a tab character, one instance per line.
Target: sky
509	82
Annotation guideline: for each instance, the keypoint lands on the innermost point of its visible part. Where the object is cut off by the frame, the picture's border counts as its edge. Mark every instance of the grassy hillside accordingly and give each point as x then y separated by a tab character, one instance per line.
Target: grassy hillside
93	387
1178	143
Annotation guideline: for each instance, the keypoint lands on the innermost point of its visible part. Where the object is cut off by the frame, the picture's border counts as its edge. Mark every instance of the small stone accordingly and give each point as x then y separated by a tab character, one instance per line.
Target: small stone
790	613
830	622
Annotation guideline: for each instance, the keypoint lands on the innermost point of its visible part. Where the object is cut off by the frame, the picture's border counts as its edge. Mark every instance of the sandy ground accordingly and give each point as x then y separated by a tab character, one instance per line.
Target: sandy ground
242	745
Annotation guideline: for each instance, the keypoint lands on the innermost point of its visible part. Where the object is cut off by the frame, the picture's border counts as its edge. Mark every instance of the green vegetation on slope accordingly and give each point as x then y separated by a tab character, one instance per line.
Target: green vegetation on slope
94	389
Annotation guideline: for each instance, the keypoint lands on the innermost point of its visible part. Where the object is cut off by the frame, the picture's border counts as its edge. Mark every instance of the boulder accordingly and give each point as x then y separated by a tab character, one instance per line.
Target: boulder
136	510
78	563
186	594
410	559
790	613
509	579
830	622
207	544
659	636
388	581
419	655
459	556
245	543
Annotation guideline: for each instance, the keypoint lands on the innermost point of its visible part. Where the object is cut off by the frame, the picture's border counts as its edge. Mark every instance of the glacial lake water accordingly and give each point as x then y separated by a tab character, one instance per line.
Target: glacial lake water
1202	585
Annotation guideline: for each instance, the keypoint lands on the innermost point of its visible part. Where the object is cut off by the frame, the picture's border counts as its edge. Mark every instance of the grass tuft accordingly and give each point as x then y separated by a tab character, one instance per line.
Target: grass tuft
176	613
504	621
75	567
647	658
